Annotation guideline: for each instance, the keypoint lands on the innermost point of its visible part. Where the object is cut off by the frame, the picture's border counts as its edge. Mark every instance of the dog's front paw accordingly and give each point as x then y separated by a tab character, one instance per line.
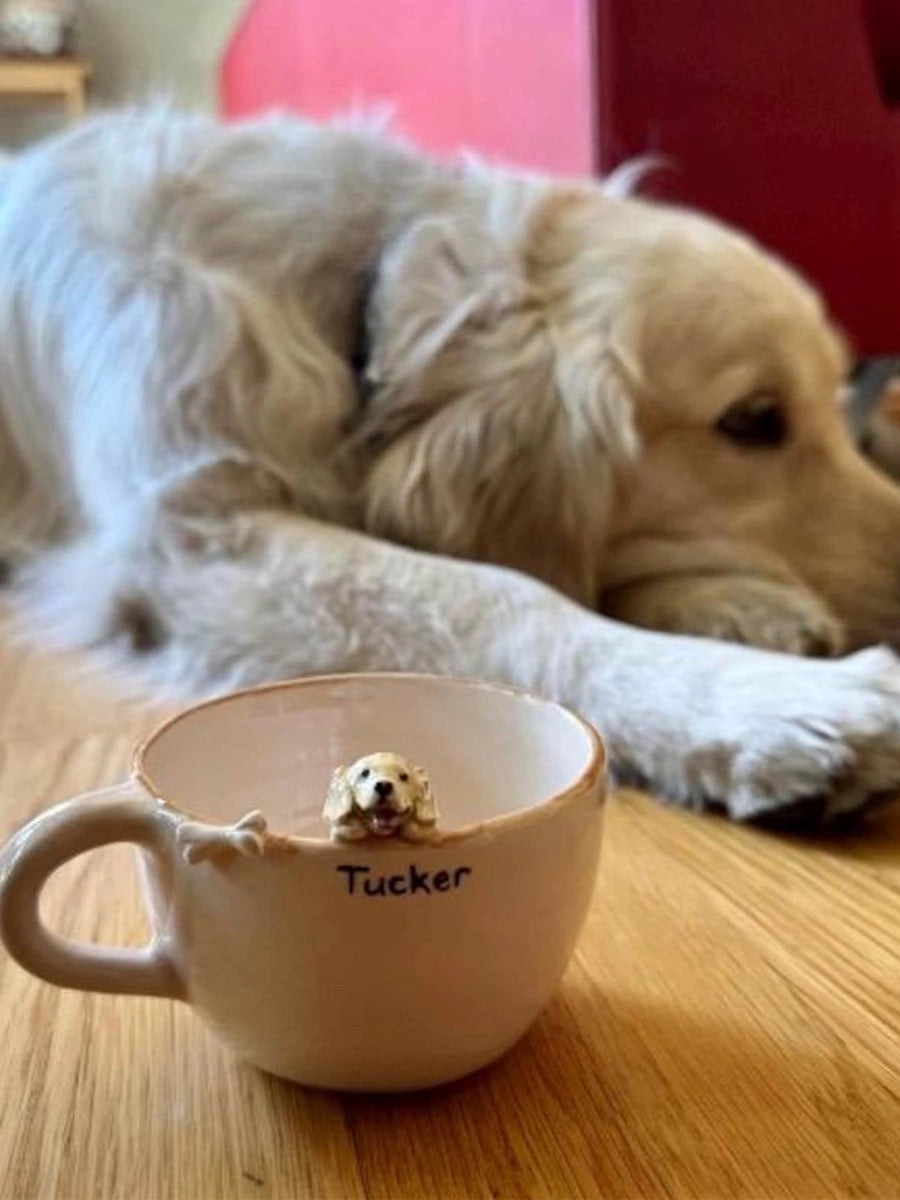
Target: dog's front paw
734	608
803	741
350	829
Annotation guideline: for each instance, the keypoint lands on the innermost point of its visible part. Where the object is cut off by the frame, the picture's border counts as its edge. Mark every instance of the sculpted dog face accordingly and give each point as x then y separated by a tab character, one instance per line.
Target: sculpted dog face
637	405
382	791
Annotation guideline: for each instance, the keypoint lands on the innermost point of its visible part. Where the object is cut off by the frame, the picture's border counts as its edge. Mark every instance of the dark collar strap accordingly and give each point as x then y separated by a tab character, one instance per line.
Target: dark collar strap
361	349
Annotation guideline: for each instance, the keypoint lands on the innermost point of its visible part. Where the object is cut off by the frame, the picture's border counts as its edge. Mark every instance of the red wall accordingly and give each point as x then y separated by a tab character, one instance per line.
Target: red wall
509	77
773	115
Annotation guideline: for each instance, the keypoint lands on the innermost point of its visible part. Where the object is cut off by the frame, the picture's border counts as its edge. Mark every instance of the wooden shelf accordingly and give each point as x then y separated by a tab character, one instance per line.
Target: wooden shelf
66	78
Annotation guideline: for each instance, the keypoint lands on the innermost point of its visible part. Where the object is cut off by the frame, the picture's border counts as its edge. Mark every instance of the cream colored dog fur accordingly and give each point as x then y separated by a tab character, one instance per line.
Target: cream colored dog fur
279	399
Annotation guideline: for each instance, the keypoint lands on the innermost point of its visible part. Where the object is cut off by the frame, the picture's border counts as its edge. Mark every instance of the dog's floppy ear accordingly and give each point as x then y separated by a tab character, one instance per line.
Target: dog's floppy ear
444	287
426	809
462	372
493	409
339	801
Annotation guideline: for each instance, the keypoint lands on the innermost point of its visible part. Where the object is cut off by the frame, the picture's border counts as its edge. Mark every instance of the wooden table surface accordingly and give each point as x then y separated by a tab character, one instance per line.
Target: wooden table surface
728	1027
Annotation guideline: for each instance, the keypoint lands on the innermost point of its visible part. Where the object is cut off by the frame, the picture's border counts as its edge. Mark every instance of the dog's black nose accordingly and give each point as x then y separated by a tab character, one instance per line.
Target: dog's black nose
384	788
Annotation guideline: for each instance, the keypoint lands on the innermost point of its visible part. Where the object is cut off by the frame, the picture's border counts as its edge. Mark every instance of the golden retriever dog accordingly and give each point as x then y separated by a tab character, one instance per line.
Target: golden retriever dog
280	399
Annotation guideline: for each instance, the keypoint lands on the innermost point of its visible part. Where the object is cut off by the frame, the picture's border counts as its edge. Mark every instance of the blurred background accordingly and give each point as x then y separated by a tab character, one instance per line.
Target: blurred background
782	118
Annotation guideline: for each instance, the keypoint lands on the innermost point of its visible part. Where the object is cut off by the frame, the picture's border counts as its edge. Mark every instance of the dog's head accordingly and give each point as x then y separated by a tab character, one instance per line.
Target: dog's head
383	791
637	405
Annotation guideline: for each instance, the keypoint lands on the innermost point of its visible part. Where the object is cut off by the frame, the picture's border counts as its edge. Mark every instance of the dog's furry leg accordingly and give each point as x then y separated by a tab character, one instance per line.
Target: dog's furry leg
706	723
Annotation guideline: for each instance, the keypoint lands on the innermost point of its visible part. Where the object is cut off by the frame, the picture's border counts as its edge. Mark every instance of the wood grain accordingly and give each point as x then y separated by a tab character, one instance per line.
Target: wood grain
729	1026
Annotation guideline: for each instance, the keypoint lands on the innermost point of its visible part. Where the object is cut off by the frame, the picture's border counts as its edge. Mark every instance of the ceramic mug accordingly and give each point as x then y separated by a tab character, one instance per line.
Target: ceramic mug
376	966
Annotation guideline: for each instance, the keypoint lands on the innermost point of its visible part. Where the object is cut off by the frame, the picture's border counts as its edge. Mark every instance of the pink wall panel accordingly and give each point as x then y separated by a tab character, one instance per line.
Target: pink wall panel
259	66
509	77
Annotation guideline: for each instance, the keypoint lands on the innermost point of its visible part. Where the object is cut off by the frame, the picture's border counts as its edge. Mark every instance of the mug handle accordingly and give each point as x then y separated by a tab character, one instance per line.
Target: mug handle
126	813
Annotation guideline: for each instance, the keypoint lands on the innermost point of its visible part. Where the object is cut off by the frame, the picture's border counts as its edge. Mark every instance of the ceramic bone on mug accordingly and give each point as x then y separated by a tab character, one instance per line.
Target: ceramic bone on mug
284	941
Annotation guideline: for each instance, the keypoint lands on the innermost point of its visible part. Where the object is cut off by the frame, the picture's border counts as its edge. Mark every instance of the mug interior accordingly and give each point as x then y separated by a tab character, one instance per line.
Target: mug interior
489	752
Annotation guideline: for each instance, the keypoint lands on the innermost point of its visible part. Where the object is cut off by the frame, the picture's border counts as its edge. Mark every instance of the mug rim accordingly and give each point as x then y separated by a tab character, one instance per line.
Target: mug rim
592	774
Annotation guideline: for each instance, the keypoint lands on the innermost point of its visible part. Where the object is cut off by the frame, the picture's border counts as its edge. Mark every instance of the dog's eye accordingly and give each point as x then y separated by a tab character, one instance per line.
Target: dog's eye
756	421
404	778
365	773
